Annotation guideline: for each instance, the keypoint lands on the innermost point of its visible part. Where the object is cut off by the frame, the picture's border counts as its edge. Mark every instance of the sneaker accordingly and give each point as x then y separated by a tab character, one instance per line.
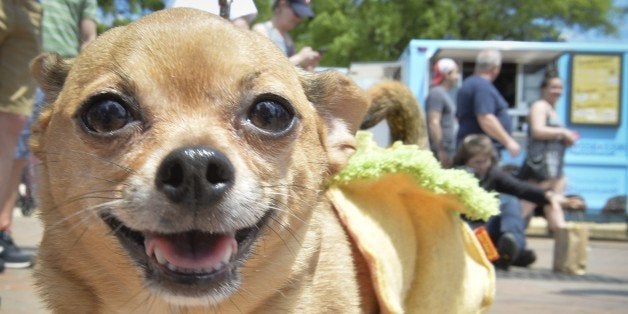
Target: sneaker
507	248
12	256
525	258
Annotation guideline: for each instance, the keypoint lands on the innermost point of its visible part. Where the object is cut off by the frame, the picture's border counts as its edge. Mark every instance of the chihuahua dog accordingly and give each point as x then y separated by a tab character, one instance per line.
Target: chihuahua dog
183	169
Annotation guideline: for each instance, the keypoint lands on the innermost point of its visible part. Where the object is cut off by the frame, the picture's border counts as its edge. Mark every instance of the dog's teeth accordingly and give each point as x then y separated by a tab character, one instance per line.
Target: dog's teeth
173	268
160	257
208	270
227	257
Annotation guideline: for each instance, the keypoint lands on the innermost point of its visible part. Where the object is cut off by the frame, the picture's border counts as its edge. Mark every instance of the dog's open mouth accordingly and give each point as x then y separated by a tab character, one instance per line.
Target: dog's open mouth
191	263
192	252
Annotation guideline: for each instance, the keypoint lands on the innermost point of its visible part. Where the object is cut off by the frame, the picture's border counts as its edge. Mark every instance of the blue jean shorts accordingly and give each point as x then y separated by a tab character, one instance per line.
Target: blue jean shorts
22	150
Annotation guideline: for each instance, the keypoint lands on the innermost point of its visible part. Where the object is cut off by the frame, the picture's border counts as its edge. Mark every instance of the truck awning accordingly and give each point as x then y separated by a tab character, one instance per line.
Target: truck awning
508	56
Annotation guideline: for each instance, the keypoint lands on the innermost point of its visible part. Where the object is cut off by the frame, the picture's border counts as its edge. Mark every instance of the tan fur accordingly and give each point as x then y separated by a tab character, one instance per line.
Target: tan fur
192	78
394	102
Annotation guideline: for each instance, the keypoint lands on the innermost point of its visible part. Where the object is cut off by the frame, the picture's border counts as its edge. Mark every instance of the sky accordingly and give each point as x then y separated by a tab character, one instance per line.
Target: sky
575	35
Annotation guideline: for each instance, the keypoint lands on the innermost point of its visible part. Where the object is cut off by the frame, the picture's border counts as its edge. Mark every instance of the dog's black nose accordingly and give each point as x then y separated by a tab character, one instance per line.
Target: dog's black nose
195	176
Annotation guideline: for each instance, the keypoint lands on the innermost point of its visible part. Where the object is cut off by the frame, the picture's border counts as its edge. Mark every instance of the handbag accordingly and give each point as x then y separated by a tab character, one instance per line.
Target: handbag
544	160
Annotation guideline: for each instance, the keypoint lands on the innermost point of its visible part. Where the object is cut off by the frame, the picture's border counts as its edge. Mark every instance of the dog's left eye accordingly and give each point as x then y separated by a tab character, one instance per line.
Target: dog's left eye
106	115
271	116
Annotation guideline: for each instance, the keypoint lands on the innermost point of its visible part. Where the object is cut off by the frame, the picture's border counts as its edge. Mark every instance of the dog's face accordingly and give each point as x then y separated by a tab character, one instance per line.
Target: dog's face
186	153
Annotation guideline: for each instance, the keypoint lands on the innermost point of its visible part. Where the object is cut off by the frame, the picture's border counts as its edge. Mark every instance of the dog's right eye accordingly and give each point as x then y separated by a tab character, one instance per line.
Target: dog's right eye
106	115
271	116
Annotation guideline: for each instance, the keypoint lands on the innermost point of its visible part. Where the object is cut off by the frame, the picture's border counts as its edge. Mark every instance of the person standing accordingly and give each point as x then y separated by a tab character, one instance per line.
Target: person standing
241	12
66	27
441	120
287	14
20	42
481	109
547	141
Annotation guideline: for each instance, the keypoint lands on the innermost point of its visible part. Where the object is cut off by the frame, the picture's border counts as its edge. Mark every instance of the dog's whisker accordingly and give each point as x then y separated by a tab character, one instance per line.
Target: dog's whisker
288	229
91	194
147	299
127	169
86	213
289	213
95	156
90	208
268	262
290	186
78	239
108	180
83	222
278	234
235	304
243	293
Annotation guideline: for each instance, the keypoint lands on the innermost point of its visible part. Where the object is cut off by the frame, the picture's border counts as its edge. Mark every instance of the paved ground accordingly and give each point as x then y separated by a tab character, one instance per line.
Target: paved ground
16	285
604	289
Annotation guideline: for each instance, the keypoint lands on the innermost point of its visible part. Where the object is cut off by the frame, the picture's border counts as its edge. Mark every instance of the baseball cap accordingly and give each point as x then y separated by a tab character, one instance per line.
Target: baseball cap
301	8
441	68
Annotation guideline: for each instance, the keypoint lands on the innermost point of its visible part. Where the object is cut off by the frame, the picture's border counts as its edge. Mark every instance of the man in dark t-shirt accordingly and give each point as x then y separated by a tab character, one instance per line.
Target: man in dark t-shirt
481	109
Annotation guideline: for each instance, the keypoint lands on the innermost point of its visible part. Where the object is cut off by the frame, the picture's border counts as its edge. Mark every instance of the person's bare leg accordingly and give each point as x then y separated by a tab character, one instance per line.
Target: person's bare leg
10	127
558	185
527	209
6	208
554	211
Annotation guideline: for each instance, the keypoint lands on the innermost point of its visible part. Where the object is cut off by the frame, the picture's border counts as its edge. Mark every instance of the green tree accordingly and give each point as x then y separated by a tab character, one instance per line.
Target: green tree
379	30
369	30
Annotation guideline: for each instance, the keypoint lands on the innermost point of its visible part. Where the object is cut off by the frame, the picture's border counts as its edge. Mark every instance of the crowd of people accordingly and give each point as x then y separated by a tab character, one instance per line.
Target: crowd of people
484	132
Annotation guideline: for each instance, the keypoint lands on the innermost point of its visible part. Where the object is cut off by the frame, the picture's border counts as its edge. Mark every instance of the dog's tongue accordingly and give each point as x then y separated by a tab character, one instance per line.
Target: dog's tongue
191	251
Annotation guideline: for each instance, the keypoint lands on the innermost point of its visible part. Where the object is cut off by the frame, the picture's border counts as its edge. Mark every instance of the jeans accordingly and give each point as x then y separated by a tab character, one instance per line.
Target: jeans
509	220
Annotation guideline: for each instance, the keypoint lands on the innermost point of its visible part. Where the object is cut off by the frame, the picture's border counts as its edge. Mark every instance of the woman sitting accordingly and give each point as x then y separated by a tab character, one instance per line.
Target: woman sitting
507	230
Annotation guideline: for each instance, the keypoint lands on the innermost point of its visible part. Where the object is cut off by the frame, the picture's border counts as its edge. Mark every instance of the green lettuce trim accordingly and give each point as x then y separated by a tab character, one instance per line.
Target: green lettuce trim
371	161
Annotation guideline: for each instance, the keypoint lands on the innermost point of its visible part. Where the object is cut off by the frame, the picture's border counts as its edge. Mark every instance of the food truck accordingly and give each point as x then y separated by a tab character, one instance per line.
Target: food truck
594	102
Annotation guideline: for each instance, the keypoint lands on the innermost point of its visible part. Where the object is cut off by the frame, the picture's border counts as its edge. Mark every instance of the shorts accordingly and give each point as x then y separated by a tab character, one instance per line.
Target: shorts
22	149
20	42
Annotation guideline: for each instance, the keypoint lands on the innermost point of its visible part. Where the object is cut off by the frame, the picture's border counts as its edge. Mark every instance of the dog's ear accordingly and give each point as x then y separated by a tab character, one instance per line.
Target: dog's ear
49	70
341	104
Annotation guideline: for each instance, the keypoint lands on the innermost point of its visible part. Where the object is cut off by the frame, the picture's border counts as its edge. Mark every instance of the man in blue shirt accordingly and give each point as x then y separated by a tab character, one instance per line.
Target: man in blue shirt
481	109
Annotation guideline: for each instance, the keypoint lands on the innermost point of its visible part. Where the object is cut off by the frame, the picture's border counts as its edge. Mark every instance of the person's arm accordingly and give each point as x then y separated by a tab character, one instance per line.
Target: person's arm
506	183
307	58
88	31
433	123
491	126
541	131
87	25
